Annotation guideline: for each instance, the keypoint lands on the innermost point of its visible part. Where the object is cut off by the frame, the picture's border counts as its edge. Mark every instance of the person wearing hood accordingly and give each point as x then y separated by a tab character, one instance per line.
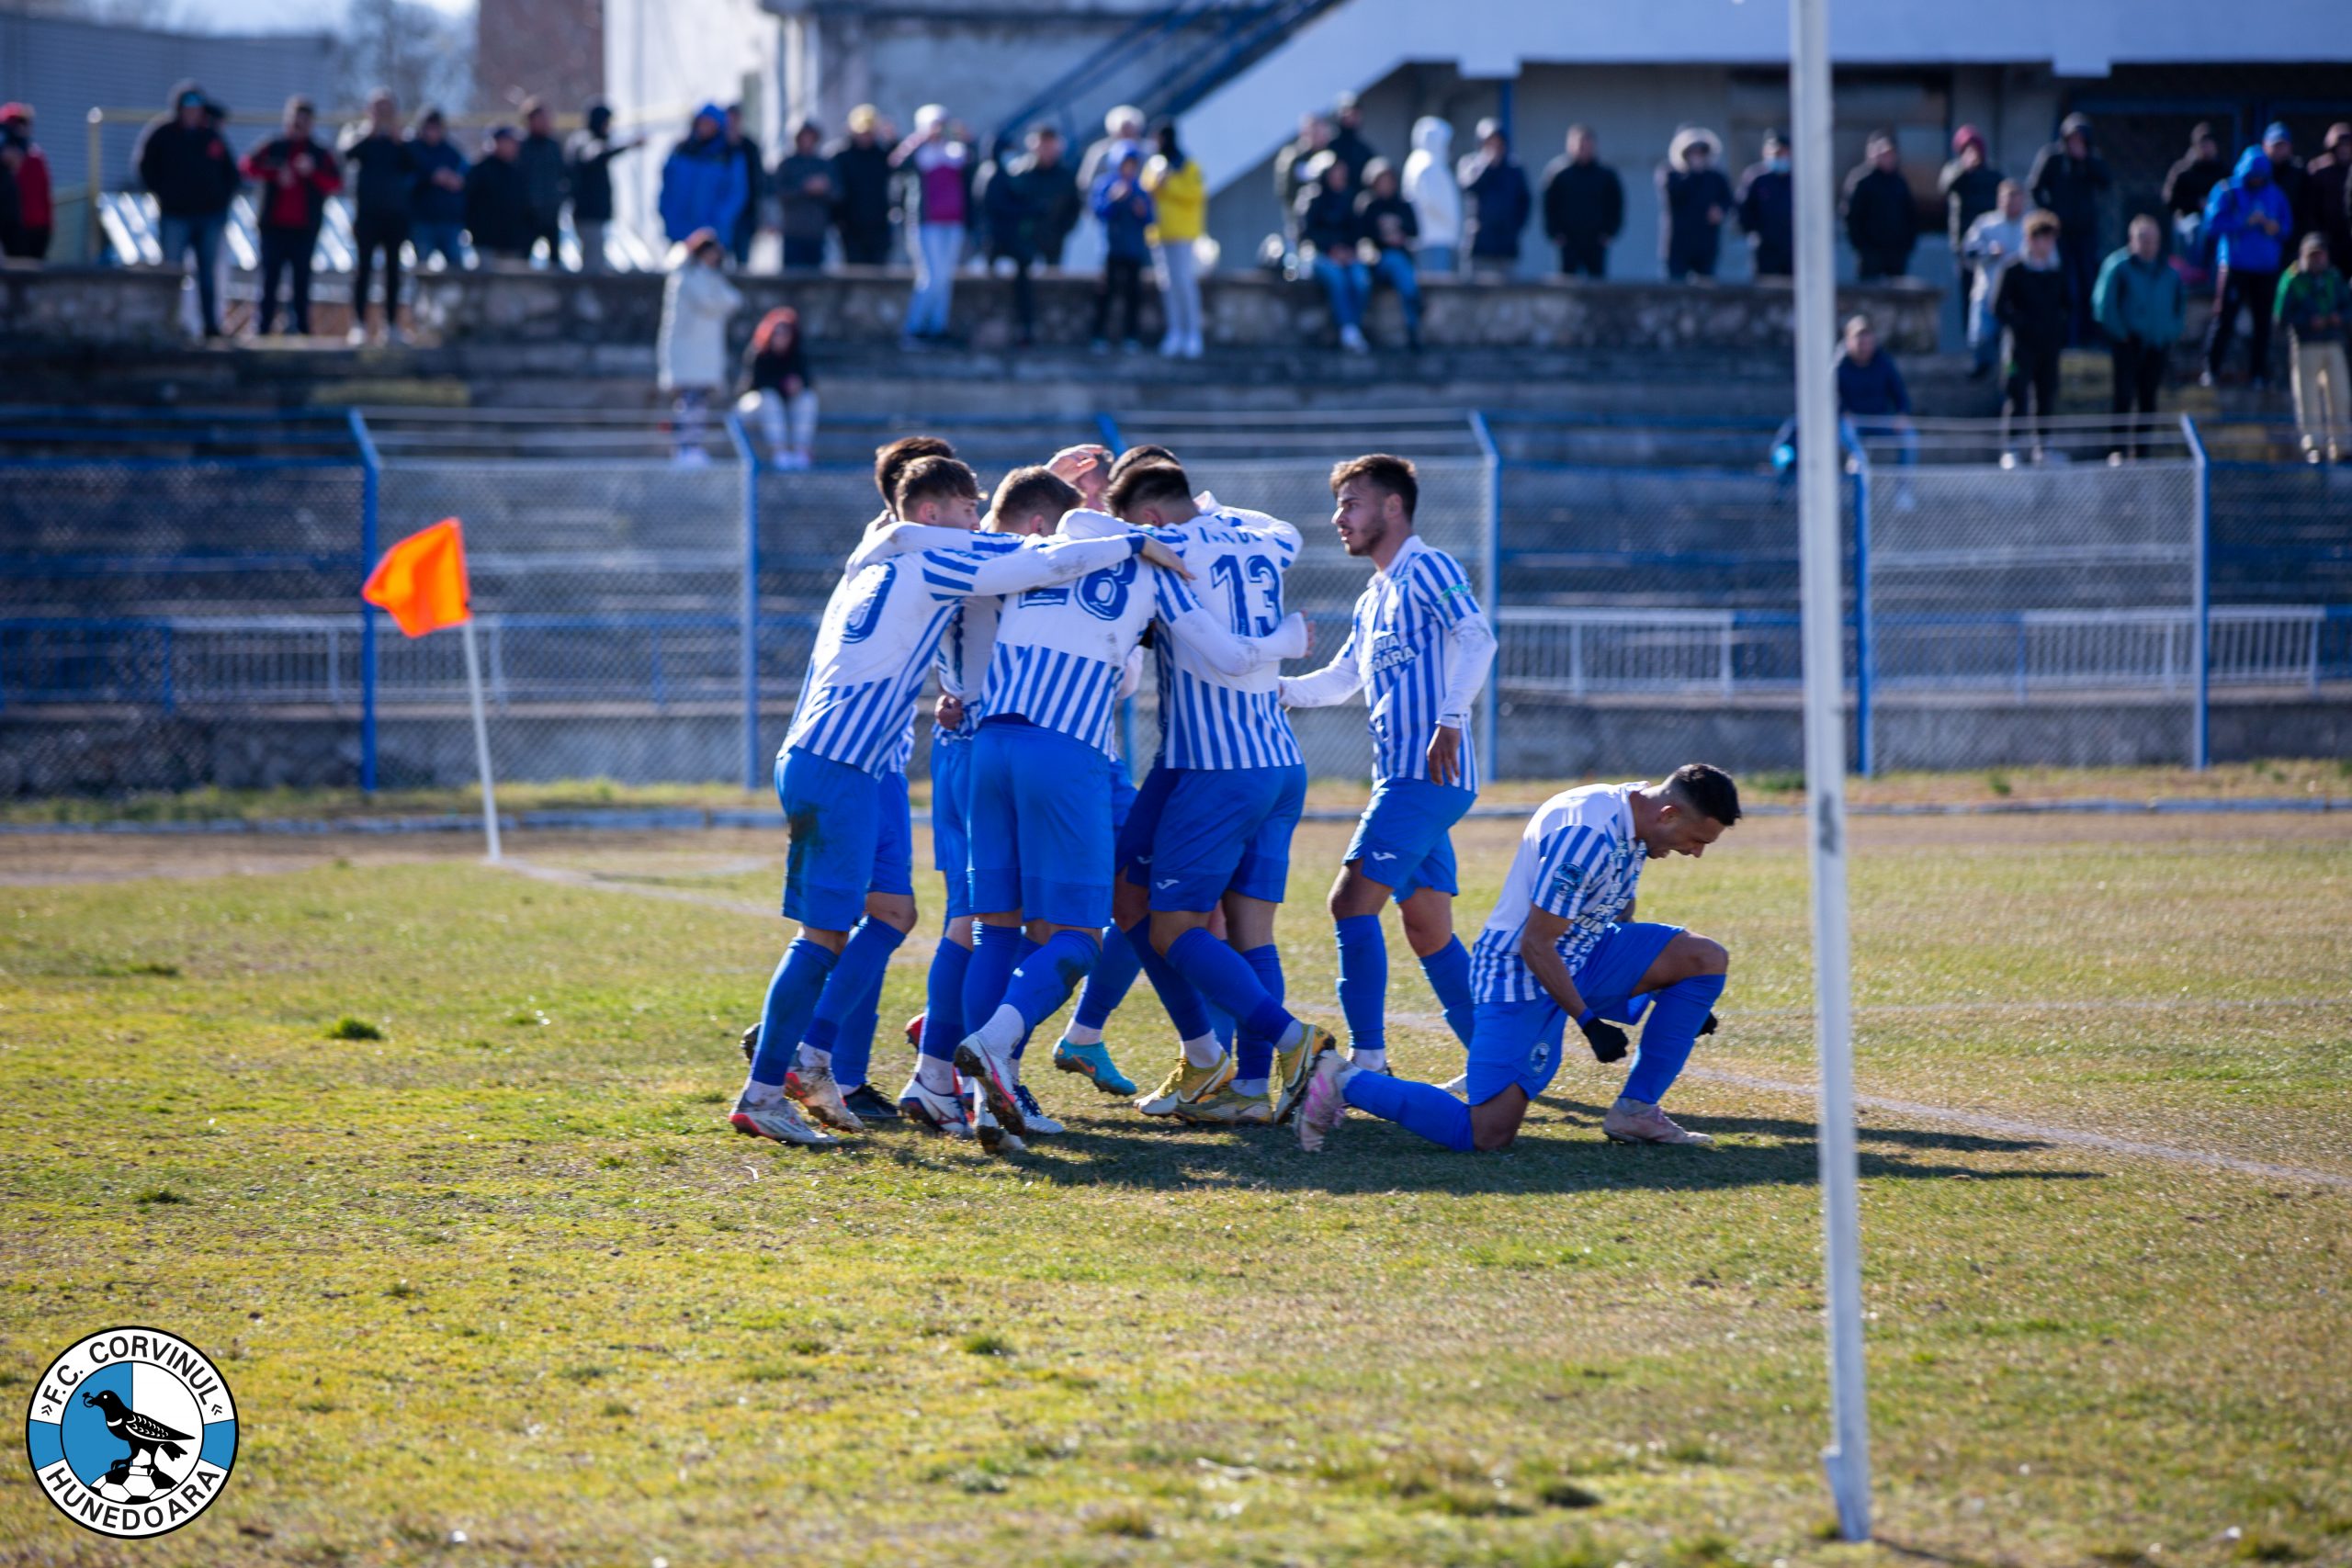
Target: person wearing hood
2033	302
1971	188
498	207
1498	202
383	186
2186	184
938	164
1767	214
1180	202
1693	198
2328	194
186	165
1583	205
588	157
2315	307
2294	181
2142	306
703	185
778	391
1882	220
2070	179
1437	201
691	352
1989	245
297	174
803	183
36	207
861	191
2249	220
540	158
438	193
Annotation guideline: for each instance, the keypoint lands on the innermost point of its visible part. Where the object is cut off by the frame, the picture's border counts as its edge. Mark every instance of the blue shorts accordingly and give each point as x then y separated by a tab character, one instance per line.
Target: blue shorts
1518	1043
951	804
1196	834
1123	796
852	835
1404	841
1040	825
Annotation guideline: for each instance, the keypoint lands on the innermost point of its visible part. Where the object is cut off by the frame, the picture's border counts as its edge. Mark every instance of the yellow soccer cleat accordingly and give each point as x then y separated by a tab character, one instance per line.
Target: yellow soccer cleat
1186	1083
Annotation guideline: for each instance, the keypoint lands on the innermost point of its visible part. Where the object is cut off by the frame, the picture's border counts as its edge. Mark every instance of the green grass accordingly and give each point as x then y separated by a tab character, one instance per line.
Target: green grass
504	1271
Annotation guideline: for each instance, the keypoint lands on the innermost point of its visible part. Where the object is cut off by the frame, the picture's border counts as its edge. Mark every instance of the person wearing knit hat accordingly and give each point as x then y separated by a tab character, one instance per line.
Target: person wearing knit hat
1971	187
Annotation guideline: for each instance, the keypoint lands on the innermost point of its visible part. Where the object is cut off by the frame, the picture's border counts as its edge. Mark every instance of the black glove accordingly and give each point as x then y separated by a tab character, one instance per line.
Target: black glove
1607	1041
1708	1027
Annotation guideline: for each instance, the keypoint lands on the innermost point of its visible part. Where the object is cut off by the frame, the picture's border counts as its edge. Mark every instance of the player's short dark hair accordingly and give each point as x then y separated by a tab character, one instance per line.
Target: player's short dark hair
1148	484
934	479
1706	789
1027	493
891	460
1134	456
1386	473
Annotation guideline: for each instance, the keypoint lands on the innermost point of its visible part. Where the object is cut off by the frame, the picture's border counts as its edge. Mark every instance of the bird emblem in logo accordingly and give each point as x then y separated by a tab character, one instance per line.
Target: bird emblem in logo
132	1432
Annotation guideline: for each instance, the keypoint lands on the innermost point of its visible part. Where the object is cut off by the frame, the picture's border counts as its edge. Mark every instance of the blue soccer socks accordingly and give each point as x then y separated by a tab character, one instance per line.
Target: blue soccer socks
792	991
1675	1019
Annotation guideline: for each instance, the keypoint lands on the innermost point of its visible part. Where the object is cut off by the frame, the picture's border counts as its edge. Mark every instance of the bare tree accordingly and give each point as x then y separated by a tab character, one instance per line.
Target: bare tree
421	54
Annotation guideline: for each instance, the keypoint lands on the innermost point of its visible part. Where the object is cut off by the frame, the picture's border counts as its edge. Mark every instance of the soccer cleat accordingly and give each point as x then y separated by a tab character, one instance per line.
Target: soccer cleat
1186	1083
992	1078
1292	1067
1322	1108
814	1087
751	1043
865	1103
1635	1121
1457	1086
1229	1107
780	1120
927	1108
1093	1063
1040	1124
994	1136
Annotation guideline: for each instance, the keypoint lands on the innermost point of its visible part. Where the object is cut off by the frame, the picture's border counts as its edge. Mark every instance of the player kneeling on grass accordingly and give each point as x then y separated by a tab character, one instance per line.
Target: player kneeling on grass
1562	945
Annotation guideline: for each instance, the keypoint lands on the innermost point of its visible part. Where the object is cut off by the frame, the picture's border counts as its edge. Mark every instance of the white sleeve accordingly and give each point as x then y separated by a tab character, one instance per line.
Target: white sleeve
1048	563
1080	523
1229	655
1131	678
1327	687
885	538
1469	652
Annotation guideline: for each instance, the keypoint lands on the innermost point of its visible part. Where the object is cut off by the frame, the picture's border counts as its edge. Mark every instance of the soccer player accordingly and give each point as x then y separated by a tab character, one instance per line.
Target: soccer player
850	833
1212	824
1040	825
1562	945
1418	647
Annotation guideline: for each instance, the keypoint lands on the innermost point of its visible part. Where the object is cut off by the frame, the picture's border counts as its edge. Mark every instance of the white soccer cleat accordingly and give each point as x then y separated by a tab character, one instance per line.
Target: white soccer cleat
814	1087
994	1136
994	1078
927	1109
1040	1124
1635	1121
780	1120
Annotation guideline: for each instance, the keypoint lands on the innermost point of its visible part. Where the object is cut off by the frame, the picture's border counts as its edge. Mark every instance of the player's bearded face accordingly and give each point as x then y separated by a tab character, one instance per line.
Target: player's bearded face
1359	520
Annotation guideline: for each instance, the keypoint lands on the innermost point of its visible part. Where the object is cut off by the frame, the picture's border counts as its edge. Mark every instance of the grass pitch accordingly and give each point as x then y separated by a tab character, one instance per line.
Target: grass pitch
504	1273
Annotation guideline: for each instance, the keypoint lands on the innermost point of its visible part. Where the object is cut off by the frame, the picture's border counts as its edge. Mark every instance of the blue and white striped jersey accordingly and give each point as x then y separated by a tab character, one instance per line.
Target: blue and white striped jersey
882	627
1578	858
1399	653
1208	718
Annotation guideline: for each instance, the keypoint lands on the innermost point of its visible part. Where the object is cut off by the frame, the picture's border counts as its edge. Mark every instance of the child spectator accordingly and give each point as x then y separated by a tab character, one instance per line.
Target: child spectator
1127	213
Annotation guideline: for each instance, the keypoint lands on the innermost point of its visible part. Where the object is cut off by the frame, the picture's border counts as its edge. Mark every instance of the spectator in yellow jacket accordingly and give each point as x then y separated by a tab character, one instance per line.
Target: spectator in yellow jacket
1181	199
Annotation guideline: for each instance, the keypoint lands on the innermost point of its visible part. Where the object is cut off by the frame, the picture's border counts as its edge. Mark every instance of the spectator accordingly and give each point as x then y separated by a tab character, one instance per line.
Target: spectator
1180	200
382	183
1990	242
1693	198
939	205
2288	174
2033	299
498	207
588	157
186	165
2329	192
861	191
779	390
1347	139
36	207
2315	307
2186	184
541	160
804	197
12	233
691	349
2249	219
1387	227
754	160
2068	180
1122	126
1971	188
1124	209
1871	393
1882	220
1437	201
1328	233
2141	305
1583	205
297	174
1498	203
1029	207
1315	133
1768	212
702	182
438	193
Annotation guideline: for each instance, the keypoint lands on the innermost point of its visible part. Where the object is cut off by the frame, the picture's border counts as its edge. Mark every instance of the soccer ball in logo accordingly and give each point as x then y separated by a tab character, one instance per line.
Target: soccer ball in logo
125	1482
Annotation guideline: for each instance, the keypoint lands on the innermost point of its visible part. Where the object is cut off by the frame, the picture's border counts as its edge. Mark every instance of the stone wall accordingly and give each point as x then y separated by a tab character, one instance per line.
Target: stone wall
91	307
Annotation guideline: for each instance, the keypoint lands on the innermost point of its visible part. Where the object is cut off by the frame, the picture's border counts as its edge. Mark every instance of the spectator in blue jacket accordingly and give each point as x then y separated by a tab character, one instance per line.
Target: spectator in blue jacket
438	199
2249	220
1125	209
1500	201
1871	393
703	185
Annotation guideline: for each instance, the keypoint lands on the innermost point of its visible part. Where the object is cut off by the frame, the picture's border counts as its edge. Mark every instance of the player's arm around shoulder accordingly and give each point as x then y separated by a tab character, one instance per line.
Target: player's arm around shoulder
886	539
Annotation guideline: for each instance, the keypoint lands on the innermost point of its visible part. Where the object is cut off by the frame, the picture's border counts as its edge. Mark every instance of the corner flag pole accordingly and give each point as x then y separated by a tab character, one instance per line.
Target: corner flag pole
481	739
1847	1458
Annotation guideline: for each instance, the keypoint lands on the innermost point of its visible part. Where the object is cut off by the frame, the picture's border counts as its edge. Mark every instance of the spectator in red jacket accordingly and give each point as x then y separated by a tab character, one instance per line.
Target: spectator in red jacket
36	210
296	173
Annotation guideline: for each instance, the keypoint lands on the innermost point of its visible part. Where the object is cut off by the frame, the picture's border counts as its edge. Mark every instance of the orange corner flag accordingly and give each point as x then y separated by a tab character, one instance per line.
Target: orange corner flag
422	579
